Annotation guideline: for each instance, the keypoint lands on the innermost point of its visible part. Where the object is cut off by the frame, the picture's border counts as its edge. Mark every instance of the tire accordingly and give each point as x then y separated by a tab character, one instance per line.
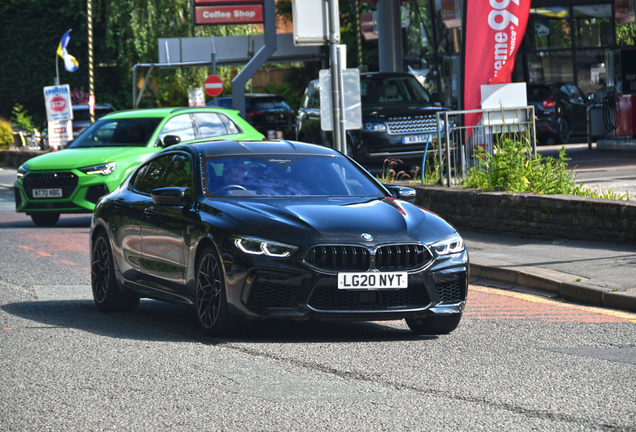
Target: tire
106	293
210	298
564	132
434	325
45	219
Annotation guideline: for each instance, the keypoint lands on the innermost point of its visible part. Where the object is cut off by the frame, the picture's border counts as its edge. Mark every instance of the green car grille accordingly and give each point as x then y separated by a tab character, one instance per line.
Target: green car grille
67	181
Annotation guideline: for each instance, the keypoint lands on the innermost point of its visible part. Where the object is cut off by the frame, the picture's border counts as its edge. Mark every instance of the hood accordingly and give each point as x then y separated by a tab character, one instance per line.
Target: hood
83	157
331	220
399	110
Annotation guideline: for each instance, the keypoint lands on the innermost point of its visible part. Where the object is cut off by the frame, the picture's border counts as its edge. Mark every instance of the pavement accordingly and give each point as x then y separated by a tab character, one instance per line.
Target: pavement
587	272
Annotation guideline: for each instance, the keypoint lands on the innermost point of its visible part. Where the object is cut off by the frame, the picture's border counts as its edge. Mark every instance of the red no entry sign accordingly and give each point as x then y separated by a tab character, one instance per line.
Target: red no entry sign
213	85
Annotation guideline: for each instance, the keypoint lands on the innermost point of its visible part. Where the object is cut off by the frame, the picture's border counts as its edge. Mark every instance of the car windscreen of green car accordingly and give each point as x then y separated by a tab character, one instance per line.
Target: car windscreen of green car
100	159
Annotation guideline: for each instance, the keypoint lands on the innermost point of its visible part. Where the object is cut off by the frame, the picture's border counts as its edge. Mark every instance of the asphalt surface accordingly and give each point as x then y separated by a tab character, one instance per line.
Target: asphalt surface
587	272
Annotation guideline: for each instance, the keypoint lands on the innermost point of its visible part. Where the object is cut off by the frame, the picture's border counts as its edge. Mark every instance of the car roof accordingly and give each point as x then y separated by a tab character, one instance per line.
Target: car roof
97	106
160	112
246	148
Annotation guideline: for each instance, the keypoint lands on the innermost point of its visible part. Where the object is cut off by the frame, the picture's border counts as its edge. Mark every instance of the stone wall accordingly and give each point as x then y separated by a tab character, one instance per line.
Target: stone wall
532	215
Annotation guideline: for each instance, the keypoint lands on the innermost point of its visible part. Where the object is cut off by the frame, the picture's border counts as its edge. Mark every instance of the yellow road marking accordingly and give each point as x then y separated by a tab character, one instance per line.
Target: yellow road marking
535	299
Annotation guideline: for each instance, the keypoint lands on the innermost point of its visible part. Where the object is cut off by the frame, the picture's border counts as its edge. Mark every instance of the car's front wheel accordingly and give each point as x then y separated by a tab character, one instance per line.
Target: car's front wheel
45	219
210	301
434	325
107	295
563	133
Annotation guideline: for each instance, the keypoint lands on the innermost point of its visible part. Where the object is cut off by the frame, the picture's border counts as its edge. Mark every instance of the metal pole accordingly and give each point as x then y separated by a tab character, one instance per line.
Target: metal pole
91	72
213	58
334	23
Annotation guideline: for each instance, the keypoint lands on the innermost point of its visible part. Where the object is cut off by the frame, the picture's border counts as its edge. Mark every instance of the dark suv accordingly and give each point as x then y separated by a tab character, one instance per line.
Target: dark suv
398	115
560	110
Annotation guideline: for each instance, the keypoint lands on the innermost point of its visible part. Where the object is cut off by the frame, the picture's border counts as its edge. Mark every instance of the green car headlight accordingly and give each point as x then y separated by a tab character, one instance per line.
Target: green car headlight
258	246
103	169
22	171
449	245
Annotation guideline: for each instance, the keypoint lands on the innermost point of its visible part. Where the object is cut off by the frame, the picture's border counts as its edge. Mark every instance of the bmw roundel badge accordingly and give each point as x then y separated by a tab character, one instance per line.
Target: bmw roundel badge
367	237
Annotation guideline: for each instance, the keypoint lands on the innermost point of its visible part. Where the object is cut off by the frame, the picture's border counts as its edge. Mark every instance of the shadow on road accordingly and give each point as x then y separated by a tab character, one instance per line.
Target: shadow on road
162	322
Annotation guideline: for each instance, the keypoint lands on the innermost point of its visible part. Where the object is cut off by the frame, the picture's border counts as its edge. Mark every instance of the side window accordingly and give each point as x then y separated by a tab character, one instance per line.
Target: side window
575	91
564	91
136	182
154	175
180	126
209	125
232	128
179	173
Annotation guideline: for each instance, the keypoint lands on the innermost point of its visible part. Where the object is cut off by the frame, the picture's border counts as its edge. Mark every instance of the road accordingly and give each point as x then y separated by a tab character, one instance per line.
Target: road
517	361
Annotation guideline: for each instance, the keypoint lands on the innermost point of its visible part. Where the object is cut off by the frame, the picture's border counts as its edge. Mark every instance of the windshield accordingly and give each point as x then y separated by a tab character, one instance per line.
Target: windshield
387	90
286	175
117	133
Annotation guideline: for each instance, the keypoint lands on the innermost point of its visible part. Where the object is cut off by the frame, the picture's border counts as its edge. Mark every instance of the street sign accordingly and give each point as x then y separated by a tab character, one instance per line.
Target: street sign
231	14
213	85
57	100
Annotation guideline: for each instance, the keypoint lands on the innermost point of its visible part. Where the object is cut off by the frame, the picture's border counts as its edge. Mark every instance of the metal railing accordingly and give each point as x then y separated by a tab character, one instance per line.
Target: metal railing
459	143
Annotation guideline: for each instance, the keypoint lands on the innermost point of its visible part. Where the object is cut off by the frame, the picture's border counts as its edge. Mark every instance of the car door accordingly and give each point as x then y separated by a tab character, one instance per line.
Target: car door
127	227
180	125
308	119
579	105
164	231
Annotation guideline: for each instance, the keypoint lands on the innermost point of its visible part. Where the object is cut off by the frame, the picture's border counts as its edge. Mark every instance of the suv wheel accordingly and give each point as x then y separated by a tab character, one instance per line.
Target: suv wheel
564	132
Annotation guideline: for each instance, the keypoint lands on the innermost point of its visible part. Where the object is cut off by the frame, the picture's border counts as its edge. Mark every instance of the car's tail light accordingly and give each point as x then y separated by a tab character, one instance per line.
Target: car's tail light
549	102
253	115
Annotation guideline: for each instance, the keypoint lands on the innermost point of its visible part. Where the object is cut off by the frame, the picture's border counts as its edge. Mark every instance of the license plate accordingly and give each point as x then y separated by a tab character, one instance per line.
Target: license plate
47	193
372	281
415	139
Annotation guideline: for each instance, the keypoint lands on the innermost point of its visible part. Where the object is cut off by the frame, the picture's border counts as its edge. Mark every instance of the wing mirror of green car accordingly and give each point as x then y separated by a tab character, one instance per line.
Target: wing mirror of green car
170	140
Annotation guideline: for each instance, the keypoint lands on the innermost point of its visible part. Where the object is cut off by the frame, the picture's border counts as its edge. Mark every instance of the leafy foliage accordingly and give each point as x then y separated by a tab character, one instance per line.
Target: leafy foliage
21	118
6	134
513	168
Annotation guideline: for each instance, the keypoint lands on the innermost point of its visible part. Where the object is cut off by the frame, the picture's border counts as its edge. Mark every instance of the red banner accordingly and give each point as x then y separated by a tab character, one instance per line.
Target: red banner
494	30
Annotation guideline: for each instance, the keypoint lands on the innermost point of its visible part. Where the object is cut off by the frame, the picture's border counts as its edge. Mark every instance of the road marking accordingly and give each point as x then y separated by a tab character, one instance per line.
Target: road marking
490	303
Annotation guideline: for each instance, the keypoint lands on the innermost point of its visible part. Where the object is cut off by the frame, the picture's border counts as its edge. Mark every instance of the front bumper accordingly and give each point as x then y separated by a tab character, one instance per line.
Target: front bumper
80	192
306	294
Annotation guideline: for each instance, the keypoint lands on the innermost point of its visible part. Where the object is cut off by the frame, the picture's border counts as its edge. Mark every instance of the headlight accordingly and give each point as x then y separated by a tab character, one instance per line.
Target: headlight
103	169
257	246
22	171
374	127
449	245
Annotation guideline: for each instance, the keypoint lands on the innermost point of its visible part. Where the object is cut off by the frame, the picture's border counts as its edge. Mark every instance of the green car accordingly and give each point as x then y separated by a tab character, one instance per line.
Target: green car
100	159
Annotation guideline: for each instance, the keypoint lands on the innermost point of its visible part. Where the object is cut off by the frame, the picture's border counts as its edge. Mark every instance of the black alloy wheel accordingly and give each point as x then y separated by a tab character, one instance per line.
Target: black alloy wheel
211	304
564	132
45	219
107	295
434	325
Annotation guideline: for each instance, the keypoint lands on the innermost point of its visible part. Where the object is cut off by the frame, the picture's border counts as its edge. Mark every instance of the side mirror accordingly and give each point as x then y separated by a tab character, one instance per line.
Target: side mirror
170	196
591	97
403	193
437	98
170	140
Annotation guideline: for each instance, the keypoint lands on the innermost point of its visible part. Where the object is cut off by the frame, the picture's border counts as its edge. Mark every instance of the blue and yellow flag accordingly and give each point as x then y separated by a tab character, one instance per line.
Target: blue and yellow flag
70	63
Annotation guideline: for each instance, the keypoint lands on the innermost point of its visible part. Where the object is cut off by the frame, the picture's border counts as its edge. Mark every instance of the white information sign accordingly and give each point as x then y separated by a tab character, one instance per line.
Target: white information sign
60	132
57	100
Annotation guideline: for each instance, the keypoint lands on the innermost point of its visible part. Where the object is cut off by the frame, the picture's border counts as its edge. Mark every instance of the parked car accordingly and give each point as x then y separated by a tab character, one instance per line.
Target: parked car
265	230
560	110
73	180
398	116
268	113
82	116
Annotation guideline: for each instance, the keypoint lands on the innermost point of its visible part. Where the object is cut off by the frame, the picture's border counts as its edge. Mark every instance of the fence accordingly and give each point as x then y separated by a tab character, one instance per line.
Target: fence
459	143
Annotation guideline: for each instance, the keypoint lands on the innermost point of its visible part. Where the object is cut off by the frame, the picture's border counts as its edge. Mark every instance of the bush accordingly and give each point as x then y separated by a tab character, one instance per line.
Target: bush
513	168
6	134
